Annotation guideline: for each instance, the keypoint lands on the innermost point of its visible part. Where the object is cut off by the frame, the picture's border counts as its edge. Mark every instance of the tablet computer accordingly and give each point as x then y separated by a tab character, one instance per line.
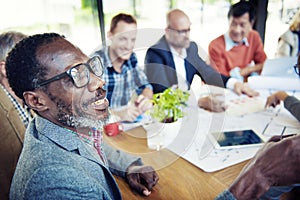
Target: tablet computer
236	139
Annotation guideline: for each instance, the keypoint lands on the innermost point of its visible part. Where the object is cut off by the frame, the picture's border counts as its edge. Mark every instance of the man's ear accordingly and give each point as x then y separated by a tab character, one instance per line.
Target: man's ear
252	23
2	69
109	35
35	100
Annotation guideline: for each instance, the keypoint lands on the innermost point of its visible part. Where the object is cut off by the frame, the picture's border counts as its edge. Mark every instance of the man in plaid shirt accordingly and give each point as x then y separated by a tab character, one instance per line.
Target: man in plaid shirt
128	89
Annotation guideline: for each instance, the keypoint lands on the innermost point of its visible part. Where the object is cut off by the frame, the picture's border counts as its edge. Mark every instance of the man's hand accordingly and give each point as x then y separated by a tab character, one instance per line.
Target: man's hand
275	164
275	99
143	103
213	103
141	178
127	113
133	109
245	72
243	88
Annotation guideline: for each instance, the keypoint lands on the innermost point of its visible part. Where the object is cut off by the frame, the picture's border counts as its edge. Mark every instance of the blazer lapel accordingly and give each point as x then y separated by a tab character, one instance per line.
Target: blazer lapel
172	76
67	139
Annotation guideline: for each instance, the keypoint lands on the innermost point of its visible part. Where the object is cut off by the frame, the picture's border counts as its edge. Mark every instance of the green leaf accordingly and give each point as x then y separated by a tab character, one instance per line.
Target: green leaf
169	104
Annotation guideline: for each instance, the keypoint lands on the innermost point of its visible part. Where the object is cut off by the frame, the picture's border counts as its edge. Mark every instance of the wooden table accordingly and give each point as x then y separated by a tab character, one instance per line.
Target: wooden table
179	179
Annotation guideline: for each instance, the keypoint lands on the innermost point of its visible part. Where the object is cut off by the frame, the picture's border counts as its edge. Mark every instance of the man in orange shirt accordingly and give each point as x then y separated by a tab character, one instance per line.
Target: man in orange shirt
239	52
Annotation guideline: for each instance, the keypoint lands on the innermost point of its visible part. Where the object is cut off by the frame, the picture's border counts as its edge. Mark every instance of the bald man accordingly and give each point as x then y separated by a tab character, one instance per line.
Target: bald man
174	60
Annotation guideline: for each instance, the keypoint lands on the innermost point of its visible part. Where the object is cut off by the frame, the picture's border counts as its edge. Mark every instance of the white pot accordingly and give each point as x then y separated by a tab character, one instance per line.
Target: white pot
160	135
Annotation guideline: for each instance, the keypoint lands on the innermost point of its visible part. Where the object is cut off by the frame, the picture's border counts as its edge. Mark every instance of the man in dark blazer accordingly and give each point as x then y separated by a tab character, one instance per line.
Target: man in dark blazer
161	71
174	53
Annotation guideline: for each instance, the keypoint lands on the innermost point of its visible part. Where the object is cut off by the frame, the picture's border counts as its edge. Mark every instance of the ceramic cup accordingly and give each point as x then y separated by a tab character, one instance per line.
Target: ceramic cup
113	129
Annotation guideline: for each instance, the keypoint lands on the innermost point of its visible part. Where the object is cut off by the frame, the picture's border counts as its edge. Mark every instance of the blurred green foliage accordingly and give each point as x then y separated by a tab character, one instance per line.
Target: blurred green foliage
169	105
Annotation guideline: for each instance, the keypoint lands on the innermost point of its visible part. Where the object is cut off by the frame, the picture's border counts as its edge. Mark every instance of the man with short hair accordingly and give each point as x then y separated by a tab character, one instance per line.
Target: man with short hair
64	156
122	75
7	41
240	51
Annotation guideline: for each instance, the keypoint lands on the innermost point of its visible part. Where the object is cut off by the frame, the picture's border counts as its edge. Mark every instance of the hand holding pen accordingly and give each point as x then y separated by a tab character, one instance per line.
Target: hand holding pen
143	103
135	107
274	99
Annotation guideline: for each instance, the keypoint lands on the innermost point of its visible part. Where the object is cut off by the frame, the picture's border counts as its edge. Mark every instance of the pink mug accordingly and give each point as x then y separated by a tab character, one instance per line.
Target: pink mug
113	129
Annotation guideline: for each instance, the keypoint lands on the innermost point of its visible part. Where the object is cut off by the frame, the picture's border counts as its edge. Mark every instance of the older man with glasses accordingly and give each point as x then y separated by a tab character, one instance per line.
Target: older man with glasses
79	74
64	156
174	60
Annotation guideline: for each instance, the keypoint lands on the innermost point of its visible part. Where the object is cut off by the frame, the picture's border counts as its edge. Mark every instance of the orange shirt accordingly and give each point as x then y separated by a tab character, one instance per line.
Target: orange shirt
239	56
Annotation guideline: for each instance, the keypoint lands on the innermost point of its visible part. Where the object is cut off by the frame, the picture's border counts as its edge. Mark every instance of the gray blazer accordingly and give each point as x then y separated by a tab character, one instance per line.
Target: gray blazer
56	164
292	104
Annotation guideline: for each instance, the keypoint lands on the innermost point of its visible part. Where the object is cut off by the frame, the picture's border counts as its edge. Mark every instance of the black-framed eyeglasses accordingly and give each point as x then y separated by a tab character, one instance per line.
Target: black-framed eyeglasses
180	32
79	74
296	68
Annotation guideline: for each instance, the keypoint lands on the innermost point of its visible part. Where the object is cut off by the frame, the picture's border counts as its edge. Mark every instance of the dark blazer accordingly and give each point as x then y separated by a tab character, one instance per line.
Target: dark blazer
160	67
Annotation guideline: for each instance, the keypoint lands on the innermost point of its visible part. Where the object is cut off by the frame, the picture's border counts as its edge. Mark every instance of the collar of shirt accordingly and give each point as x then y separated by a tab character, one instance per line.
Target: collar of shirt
23	110
183	54
131	62
180	67
229	43
94	138
105	59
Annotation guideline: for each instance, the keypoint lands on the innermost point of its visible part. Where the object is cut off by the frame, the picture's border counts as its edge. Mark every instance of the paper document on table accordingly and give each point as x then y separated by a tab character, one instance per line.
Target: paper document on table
245	105
285	118
281	122
276	83
243	113
128	125
203	154
219	159
140	121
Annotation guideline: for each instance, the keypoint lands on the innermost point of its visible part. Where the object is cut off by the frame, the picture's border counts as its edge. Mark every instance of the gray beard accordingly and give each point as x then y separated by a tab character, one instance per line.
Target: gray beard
83	122
66	117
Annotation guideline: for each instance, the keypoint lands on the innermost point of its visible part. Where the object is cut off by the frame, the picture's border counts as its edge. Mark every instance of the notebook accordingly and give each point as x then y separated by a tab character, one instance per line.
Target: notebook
280	67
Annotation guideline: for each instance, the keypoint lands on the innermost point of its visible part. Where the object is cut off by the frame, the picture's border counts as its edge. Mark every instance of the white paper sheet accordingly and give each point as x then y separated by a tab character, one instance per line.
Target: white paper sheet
275	83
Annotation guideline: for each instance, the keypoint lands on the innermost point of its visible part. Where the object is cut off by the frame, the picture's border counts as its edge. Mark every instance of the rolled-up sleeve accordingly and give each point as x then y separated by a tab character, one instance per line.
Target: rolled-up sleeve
119	161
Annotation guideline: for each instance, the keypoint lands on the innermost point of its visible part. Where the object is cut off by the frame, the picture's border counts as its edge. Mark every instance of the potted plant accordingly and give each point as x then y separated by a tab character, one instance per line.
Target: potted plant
168	105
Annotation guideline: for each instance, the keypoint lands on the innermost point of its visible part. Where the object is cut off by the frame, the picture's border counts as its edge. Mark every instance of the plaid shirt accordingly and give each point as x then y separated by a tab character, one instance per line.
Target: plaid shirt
24	112
121	86
94	139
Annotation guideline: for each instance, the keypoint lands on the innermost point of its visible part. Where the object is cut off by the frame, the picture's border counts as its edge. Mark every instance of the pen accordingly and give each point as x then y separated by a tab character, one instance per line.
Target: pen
283	130
267	125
